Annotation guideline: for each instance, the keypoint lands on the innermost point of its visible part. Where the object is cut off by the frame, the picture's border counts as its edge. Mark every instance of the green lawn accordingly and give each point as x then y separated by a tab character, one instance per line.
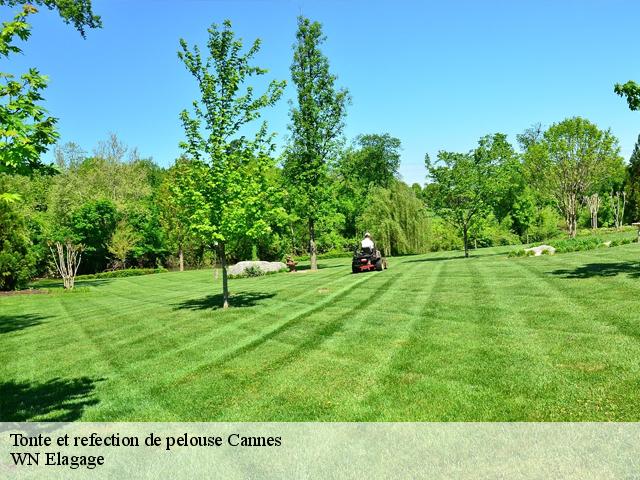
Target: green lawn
434	338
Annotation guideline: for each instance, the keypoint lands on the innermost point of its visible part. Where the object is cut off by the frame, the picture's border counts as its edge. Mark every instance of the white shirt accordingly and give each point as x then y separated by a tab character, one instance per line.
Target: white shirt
367	243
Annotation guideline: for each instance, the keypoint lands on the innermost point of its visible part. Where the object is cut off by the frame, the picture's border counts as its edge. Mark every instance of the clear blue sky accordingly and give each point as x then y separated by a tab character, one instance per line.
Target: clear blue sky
438	75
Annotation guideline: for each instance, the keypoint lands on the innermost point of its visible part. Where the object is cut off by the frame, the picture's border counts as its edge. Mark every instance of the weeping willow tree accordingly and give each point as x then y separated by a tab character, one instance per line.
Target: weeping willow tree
396	219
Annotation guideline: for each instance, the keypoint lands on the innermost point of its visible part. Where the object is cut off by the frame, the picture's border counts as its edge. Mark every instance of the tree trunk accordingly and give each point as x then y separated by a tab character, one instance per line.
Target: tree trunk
223	265
465	239
181	258
572	223
312	245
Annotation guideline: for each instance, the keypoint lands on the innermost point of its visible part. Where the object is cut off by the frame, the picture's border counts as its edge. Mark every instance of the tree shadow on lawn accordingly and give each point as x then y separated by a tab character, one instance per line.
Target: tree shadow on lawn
13	323
58	400
454	257
590	270
320	267
214	302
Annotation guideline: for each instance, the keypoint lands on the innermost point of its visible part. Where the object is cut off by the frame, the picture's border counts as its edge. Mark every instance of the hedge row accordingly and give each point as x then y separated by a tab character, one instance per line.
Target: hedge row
130	272
576	245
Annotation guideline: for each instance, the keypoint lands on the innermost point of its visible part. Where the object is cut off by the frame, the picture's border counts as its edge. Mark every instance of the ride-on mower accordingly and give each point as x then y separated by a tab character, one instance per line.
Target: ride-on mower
367	259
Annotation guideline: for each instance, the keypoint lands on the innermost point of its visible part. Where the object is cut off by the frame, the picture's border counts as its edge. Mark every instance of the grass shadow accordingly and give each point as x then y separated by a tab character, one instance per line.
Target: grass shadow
13	323
214	302
601	270
460	256
320	267
58	400
56	283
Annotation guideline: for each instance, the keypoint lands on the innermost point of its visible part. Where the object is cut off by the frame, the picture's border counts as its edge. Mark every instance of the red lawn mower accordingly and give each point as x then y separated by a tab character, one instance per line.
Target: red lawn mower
367	259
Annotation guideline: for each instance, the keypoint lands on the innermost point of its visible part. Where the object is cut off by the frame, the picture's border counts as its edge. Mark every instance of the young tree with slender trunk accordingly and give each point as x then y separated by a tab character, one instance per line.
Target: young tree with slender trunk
67	257
122	242
317	121
461	188
593	202
173	214
224	190
618	203
573	158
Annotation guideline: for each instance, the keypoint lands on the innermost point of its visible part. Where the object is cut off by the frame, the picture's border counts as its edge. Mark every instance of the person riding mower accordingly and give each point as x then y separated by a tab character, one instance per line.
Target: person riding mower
368	257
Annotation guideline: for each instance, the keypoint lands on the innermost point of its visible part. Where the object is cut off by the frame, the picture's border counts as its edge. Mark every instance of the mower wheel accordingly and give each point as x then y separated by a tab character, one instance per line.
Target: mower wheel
355	269
379	265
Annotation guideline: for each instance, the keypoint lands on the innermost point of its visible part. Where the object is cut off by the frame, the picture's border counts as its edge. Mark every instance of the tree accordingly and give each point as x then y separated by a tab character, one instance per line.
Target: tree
26	131
396	219
173	216
16	259
462	187
618	201
317	122
224	190
76	12
594	202
572	161
67	257
374	161
630	90
633	183
92	226
122	242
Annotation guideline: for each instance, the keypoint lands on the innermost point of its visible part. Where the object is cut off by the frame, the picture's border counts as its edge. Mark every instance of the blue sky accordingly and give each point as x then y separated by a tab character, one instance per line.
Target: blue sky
438	75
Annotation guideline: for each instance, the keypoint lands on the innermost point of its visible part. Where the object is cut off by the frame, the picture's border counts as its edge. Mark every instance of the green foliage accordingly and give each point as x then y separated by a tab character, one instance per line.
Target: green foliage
253	271
225	191
633	185
489	232
443	236
374	160
26	131
577	244
631	91
172	217
573	159
462	185
16	258
75	12
92	226
317	121
546	224
396	219
123	240
129	272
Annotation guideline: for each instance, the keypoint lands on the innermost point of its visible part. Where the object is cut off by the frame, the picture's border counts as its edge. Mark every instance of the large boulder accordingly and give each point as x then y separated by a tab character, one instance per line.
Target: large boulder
266	267
537	251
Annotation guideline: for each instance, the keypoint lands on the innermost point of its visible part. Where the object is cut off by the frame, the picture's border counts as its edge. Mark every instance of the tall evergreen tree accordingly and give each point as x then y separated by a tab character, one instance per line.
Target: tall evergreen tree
317	121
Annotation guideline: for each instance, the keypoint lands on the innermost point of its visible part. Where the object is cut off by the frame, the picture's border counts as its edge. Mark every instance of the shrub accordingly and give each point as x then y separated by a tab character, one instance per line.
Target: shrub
17	261
130	272
253	271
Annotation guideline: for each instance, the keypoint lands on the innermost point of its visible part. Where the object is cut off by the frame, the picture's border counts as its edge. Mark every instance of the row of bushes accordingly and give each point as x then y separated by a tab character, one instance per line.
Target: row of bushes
130	272
576	245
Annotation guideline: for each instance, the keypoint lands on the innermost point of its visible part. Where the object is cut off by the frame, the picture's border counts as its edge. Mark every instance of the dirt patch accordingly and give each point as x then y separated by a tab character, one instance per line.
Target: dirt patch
34	291
323	290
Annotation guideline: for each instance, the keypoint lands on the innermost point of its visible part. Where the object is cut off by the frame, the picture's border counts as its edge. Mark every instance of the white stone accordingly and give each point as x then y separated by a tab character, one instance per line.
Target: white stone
537	251
240	267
